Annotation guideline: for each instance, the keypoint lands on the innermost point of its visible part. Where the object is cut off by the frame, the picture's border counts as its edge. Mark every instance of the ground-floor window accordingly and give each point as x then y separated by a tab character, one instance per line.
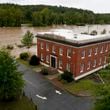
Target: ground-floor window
47	58
81	68
42	57
60	63
68	67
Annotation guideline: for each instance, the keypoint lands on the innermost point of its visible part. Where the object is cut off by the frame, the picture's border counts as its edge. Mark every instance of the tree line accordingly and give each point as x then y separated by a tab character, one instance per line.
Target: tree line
41	15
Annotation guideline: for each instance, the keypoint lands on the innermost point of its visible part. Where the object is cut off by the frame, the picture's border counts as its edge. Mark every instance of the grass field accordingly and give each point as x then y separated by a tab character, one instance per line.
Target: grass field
22	104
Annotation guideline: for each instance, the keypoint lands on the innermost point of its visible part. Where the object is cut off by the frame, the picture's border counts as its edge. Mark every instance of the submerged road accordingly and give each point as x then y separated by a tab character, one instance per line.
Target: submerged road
48	97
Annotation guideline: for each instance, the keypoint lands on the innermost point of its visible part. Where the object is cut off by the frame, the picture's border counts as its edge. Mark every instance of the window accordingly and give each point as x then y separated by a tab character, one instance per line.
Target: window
83	54
88	65
68	67
106	48
60	63
81	68
47	58
89	52
60	51
101	51
96	50
105	59
69	53
42	45
42	57
47	47
100	61
94	63
53	49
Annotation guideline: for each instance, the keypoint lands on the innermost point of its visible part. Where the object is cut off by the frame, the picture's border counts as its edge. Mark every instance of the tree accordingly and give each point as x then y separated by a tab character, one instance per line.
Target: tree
11	81
103	98
27	39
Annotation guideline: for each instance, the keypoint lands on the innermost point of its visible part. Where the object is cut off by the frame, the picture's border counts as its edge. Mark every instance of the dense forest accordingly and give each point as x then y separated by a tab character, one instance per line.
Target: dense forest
41	15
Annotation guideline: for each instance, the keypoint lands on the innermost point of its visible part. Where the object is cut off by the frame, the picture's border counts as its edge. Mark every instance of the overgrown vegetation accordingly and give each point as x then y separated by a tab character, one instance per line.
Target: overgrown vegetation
40	15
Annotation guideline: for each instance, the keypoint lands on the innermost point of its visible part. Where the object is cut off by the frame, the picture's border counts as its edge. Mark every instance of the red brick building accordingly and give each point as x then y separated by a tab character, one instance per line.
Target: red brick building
79	54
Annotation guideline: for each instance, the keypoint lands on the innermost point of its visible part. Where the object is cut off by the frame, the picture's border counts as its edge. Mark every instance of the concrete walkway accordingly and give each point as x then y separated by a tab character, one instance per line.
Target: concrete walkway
47	97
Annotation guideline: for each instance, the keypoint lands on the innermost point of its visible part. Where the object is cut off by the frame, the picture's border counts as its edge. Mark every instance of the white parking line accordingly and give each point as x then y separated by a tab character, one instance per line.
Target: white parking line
58	92
44	98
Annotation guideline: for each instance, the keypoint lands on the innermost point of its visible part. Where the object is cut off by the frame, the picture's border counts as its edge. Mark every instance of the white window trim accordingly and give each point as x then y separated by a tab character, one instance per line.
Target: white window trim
42	45
47	61
100	61
95	63
60	65
102	49
81	69
96	50
67	67
89	65
60	53
68	53
42	57
90	53
53	49
47	49
106	49
82	57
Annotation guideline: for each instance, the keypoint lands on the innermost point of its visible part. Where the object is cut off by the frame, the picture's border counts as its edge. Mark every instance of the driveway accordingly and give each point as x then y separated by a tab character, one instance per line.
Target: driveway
44	95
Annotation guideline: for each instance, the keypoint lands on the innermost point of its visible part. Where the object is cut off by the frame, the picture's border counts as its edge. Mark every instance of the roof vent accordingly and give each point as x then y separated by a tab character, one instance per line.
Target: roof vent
75	36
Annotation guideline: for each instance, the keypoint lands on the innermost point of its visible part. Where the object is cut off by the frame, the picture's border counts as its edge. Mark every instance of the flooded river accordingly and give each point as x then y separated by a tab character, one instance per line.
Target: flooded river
13	35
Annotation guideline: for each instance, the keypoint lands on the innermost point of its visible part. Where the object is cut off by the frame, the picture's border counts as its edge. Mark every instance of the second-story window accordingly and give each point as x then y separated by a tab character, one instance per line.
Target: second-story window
69	53
60	51
106	48
96	50
89	52
83	54
42	45
47	47
53	49
101	51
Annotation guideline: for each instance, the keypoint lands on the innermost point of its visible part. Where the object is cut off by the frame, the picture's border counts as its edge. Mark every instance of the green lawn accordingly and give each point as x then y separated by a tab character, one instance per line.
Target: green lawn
82	87
22	104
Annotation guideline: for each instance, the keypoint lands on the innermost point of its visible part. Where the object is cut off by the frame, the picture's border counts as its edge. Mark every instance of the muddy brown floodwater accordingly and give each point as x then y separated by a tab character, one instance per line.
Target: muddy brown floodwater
13	35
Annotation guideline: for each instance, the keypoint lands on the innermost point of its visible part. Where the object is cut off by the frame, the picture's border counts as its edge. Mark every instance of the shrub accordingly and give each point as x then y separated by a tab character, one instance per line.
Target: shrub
68	76
24	56
10	47
34	60
44	71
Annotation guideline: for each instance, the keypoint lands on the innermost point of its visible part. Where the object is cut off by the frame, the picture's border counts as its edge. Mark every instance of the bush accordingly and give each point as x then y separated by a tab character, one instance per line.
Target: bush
10	47
68	76
24	56
44	71
34	60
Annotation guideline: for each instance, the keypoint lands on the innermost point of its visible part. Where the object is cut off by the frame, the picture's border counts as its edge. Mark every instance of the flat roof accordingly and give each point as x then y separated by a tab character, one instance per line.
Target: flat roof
69	36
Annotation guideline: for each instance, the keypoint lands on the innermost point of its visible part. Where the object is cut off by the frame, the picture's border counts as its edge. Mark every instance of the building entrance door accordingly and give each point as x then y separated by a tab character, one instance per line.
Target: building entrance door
53	61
